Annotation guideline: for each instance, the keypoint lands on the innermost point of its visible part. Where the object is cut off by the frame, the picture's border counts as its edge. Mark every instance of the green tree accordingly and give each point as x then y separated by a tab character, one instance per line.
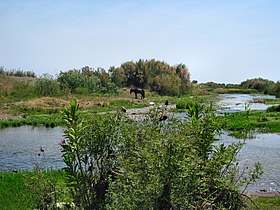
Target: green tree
152	74
166	84
70	80
133	75
276	89
117	76
107	86
183	73
259	84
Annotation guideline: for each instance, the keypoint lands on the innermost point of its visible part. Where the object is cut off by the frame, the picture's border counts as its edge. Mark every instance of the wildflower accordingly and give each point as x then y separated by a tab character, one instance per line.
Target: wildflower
62	142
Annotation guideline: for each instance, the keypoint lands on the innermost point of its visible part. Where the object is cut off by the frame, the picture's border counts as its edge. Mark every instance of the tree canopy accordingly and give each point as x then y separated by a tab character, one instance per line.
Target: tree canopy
153	74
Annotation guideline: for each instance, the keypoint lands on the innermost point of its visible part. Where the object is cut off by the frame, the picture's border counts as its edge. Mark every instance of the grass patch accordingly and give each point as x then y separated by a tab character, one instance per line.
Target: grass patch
13	193
26	190
273	109
264	203
48	120
46	110
240	123
272	101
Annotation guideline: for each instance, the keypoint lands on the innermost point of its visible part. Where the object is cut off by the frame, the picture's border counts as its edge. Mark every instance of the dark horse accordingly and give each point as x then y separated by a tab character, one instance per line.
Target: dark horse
136	91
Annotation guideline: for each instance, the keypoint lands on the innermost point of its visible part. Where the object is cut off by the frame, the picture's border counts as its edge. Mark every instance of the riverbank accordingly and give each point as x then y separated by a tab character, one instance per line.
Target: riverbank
46	111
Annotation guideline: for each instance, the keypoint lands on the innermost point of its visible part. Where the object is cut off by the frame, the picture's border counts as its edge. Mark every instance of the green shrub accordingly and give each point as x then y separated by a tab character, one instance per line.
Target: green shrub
114	163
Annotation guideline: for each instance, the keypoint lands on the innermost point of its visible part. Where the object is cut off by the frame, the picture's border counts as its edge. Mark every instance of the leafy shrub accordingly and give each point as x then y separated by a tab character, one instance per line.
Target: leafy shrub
115	163
166	84
89	154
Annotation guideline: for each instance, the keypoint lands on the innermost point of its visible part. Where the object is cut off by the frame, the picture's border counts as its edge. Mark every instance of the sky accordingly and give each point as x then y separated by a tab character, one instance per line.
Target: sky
223	41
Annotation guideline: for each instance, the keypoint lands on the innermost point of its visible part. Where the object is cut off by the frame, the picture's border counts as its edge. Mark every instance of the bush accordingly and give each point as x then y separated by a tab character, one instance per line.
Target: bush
115	163
89	153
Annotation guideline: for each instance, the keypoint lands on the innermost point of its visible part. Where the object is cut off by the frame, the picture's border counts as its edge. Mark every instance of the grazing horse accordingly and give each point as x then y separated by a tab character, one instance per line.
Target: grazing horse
136	91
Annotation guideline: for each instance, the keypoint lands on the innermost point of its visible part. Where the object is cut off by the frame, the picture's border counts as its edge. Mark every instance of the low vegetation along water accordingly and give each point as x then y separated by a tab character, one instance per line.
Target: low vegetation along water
23	147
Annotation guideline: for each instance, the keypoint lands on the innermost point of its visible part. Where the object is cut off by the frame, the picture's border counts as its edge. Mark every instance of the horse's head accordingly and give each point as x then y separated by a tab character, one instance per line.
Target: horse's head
131	90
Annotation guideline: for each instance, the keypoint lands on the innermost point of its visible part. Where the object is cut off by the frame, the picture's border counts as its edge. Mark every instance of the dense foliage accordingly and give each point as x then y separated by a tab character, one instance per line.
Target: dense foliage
86	81
153	74
263	86
115	163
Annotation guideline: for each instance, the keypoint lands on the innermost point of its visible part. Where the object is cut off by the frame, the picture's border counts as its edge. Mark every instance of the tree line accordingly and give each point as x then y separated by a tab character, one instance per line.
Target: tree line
153	75
263	86
257	85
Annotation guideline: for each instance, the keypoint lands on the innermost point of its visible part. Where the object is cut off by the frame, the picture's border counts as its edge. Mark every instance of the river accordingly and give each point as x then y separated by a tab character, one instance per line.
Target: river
264	148
20	148
236	102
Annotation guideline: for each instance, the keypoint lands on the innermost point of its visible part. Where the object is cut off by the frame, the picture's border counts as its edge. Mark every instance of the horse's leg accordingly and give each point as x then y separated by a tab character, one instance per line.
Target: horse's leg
135	95
142	95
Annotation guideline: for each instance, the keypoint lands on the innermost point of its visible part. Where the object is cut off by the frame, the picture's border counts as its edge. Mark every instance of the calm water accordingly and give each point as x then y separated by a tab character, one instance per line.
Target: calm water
20	147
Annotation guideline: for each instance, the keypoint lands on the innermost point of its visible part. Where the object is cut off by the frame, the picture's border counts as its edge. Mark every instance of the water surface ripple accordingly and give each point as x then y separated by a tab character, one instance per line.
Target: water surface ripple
20	148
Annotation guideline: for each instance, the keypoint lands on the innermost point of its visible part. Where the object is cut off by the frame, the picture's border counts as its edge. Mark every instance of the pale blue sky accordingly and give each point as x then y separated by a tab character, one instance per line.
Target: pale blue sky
225	41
